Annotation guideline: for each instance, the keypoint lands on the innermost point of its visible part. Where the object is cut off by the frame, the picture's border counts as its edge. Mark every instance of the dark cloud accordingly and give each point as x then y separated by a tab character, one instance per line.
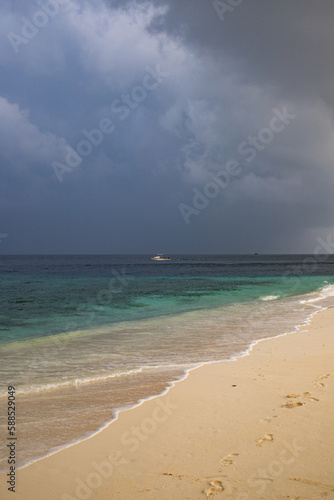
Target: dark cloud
284	44
141	102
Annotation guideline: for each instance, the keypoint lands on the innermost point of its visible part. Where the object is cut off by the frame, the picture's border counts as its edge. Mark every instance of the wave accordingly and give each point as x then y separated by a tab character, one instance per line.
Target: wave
270	297
324	293
29	389
35	388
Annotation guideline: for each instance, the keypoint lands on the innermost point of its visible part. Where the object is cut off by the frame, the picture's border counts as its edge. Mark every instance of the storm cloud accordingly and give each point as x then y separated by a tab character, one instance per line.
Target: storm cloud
171	126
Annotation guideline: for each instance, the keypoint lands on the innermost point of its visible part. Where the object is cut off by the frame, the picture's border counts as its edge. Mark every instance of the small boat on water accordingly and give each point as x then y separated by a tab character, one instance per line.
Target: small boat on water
160	257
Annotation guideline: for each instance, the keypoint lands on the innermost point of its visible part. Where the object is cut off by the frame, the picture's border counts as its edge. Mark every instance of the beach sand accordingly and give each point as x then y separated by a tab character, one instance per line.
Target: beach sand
260	427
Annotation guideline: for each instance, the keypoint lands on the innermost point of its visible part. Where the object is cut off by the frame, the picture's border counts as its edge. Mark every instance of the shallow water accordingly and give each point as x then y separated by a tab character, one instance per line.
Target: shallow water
78	345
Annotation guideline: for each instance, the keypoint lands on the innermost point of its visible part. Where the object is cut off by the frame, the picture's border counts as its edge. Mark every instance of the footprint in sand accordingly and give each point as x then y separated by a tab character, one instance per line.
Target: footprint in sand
215	487
265	420
292	405
266	439
229	459
321	384
309	396
300	395
180	476
304	395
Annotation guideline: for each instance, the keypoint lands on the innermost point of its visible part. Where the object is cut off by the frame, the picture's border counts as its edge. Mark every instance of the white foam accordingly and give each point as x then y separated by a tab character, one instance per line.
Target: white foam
323	293
74	382
270	297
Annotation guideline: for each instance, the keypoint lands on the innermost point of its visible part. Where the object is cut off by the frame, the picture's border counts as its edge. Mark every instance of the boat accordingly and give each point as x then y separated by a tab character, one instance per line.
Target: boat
160	257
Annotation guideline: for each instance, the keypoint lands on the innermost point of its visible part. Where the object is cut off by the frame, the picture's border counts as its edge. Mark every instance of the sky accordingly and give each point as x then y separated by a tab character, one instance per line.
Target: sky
170	126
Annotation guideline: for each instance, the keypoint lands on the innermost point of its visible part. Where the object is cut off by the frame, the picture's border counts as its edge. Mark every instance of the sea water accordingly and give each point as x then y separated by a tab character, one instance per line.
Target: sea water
84	336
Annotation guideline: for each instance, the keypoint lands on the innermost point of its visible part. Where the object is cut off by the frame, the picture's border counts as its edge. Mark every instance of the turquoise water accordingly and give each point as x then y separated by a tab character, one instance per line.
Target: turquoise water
88	335
51	295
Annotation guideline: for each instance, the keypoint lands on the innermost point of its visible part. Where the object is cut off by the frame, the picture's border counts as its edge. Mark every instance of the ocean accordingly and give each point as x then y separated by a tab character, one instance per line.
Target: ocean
82	337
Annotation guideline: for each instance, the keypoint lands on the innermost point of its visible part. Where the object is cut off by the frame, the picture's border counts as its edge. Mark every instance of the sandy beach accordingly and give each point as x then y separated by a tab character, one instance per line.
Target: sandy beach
258	427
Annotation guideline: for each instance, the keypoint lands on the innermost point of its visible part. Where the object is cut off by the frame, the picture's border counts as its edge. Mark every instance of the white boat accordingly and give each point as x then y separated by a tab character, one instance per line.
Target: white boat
160	257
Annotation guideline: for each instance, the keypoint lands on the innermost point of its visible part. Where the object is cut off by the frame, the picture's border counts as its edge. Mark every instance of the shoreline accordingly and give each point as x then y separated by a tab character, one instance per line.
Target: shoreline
169	385
88	460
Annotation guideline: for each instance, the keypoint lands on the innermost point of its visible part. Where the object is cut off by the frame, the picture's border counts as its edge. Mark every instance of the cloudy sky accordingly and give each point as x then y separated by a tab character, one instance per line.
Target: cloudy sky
176	126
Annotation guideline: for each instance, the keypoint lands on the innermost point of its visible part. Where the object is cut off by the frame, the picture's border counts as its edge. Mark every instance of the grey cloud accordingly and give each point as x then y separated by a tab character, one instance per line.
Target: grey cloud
225	79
